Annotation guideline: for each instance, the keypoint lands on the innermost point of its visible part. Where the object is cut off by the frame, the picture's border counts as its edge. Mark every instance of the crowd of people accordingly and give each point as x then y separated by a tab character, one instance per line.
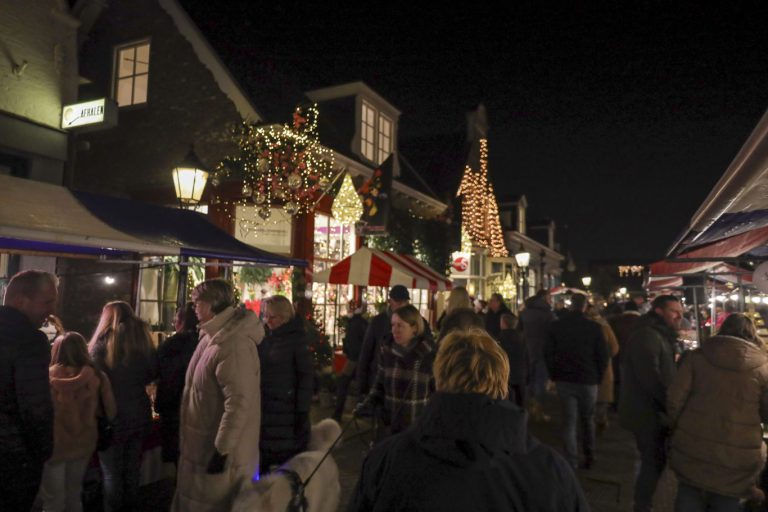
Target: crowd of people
234	391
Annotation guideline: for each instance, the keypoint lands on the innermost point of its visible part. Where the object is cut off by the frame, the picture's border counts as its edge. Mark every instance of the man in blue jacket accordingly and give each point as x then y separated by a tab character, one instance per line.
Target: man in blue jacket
577	356
26	411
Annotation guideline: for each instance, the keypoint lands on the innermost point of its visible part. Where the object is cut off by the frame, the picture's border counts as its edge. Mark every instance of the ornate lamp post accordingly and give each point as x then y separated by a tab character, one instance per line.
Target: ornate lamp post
586	281
523	259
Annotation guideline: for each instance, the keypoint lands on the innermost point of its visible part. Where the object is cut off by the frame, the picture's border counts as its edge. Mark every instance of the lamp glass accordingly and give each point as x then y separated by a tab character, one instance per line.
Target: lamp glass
586	280
523	259
189	184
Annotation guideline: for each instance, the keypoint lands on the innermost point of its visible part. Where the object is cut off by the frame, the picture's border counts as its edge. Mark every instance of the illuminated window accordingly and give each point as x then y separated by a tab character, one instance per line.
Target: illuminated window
368	131
385	138
132	74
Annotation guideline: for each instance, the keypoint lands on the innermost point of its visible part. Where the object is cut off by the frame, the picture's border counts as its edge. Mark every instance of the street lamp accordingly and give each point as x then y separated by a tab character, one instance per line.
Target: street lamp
189	179
623	291
523	259
586	281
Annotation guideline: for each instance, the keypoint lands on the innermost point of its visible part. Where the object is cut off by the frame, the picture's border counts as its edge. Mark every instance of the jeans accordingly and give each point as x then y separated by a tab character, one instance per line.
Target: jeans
652	445
539	378
578	405
691	499
120	467
62	485
19	481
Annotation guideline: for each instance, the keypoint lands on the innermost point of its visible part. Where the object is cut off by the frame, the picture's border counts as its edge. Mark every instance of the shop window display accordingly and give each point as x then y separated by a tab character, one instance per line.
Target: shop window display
257	283
333	242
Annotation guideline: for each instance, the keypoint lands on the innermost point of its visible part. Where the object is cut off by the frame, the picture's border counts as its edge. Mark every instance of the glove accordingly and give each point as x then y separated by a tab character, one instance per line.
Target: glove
216	464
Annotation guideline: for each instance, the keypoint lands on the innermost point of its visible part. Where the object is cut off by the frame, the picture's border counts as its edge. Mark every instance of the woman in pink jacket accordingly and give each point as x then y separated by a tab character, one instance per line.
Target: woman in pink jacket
78	391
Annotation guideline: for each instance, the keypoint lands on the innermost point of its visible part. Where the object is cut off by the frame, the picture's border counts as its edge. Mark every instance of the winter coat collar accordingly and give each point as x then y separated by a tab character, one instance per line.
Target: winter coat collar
16	318
654	321
227	320
295	325
470	430
417	348
732	353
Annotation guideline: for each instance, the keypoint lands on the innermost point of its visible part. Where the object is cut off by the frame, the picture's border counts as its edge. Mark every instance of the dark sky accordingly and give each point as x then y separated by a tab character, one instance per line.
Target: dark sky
614	121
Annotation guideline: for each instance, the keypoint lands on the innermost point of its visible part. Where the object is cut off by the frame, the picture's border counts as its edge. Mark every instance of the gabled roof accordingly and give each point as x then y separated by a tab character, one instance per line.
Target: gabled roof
349	89
208	56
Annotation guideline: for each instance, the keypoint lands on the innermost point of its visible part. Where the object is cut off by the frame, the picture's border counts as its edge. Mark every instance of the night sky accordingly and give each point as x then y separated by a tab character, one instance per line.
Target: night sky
614	121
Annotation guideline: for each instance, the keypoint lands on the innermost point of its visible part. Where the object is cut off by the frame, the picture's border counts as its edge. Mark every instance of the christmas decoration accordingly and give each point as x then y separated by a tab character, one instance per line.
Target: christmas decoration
276	166
347	207
479	210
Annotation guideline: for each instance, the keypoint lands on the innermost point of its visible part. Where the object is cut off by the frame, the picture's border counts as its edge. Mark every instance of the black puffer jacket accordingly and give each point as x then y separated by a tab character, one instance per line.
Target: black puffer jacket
129	380
466	452
26	411
286	393
576	351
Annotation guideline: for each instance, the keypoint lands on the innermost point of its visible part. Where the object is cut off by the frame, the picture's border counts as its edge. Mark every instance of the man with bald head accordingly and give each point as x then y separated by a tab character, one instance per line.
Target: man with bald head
26	412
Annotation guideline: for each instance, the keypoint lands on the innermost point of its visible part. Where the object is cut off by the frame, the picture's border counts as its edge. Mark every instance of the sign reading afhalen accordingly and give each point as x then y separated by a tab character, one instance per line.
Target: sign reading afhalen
96	112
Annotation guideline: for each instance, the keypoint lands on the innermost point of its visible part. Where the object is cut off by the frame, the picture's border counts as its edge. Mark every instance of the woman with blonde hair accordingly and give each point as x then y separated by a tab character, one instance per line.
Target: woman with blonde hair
458	298
469	449
80	393
121	347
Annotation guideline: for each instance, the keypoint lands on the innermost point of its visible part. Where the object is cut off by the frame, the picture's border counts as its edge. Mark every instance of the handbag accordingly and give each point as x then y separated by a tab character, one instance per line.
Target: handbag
106	428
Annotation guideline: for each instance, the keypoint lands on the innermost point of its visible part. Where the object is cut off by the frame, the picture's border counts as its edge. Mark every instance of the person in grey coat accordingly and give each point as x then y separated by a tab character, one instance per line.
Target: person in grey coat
648	367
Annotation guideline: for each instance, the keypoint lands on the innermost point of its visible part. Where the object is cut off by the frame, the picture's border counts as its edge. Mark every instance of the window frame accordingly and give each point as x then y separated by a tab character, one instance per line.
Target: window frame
380	136
116	72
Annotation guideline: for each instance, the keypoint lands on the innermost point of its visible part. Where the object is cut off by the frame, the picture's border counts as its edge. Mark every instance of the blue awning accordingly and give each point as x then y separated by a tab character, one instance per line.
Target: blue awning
188	231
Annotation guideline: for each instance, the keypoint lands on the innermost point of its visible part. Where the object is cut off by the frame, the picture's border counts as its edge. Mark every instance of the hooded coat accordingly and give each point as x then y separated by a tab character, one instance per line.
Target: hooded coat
221	411
466	452
77	396
716	404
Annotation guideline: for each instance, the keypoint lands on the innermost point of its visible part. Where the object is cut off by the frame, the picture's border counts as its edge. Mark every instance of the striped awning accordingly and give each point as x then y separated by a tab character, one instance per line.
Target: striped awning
373	267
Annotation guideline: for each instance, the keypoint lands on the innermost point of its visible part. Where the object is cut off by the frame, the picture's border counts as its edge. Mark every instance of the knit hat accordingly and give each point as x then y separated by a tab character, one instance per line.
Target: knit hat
399	293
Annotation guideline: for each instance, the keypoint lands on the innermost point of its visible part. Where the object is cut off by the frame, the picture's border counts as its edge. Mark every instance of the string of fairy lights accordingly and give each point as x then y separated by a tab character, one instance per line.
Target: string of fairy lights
284	167
479	210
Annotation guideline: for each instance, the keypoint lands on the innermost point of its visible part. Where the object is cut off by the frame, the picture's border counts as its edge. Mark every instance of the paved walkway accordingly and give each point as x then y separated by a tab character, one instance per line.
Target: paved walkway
608	485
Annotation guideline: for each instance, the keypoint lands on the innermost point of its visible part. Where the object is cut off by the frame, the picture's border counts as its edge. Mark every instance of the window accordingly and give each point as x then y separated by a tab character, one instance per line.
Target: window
132	74
385	138
367	131
158	286
375	134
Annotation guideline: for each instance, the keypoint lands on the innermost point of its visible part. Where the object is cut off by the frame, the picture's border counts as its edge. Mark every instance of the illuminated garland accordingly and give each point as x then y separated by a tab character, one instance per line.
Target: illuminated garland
479	210
276	166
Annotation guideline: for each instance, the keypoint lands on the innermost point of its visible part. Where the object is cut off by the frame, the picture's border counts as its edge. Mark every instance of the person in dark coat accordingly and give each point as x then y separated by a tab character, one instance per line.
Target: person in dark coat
461	319
577	356
622	324
517	352
535	322
121	347
470	450
379	329
173	358
26	409
648	367
496	308
286	385
353	343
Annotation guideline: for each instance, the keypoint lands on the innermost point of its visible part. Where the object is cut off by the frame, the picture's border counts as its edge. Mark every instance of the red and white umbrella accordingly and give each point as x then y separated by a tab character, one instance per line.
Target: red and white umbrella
373	267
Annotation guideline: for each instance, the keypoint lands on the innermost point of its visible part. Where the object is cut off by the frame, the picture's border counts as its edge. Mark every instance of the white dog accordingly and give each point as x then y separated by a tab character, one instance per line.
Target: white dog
274	492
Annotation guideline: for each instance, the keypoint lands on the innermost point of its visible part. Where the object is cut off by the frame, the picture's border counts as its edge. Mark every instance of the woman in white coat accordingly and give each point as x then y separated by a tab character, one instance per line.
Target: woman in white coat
221	405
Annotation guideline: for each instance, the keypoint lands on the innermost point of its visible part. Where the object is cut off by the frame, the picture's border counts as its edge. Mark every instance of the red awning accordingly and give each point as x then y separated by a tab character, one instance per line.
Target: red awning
372	267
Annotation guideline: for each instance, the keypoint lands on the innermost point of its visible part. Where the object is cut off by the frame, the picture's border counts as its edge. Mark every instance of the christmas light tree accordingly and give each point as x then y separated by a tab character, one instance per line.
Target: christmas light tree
479	210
